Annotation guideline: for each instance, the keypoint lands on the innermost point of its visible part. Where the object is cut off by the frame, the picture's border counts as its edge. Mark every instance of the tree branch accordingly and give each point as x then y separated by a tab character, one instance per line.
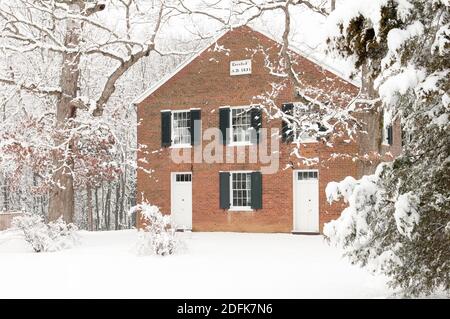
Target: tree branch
110	85
32	88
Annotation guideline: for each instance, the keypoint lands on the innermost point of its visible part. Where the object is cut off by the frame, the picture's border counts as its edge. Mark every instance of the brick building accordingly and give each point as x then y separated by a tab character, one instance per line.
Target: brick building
221	87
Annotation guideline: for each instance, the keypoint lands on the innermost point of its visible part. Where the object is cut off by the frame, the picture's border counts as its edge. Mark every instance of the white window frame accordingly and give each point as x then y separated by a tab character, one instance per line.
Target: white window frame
172	144
239	208
231	130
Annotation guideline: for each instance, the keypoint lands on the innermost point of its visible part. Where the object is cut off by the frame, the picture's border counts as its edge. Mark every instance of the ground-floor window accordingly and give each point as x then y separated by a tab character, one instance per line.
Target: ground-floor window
240	190
241	186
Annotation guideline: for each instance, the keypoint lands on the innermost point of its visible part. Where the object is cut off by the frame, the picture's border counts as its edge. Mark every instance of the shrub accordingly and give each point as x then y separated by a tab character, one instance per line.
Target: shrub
53	236
159	232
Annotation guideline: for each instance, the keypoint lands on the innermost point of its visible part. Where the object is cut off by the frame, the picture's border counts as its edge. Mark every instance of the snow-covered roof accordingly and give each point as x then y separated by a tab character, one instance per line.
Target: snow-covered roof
297	50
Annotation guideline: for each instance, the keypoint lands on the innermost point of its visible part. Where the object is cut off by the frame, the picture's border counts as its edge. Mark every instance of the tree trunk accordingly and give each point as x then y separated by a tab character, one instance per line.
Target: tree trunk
116	207
333	5
5	195
108	207
122	198
89	209
370	142
61	197
105	221
97	222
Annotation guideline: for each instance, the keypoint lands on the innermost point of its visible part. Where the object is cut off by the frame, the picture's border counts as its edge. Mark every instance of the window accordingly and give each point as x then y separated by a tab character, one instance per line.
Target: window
241	124
241	190
387	135
406	137
183	177
387	129
305	124
307	175
181	128
305	113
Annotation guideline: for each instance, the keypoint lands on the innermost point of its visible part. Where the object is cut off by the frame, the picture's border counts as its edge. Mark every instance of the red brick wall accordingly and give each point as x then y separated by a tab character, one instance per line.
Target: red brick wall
205	83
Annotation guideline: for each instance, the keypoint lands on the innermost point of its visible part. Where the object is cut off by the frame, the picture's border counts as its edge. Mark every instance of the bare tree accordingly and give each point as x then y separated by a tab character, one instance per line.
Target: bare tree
65	29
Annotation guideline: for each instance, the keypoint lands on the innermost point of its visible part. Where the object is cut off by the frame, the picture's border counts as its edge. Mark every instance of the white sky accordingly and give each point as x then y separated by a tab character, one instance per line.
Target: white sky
308	29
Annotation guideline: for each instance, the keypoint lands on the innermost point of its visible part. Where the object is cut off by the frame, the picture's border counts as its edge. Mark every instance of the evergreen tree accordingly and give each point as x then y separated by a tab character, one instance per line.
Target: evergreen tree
399	218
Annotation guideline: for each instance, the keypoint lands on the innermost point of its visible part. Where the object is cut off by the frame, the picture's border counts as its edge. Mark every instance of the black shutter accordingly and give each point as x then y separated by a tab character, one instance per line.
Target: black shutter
321	127
256	118
166	139
224	183
224	123
287	134
256	199
195	129
389	135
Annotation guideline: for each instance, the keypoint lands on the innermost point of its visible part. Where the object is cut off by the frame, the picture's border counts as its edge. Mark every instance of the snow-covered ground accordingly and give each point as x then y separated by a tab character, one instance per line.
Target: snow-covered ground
214	265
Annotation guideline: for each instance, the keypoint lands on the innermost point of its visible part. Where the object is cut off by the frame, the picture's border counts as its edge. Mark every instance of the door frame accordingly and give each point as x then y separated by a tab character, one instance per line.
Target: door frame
294	201
172	182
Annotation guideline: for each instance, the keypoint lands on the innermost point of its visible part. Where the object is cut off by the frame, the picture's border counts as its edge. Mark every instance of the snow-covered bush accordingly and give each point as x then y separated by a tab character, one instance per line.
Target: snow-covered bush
41	236
158	236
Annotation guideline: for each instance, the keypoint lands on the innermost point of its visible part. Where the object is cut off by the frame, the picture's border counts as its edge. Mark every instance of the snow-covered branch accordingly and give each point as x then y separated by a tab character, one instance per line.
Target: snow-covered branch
33	88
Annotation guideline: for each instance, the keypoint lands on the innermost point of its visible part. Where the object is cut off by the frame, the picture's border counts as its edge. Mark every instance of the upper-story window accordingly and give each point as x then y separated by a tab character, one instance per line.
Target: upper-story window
387	135
181	125
301	123
406	137
303	133
181	128
241	124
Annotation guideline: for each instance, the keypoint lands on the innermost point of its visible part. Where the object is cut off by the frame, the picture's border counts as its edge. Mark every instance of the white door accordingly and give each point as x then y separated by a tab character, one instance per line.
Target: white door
181	202
306	202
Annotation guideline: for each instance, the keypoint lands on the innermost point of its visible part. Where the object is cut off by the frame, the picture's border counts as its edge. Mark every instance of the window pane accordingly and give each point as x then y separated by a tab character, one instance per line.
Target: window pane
241	186
181	127
241	124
